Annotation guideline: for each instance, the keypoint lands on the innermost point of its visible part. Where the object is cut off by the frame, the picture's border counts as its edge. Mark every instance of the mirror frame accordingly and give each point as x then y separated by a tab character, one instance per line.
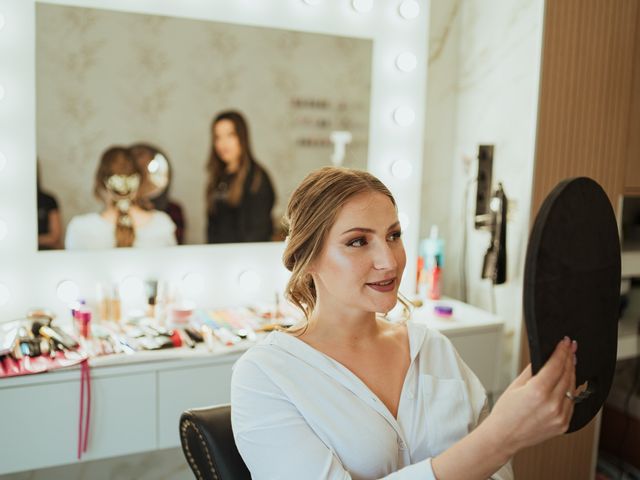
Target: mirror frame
29	278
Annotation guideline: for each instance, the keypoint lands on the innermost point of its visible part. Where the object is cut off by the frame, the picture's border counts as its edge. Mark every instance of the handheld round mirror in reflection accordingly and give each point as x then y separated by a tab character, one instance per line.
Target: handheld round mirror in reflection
156	171
157	175
572	287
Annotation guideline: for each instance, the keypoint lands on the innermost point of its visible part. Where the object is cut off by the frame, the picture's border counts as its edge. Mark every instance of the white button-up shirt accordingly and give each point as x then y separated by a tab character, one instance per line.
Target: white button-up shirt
299	414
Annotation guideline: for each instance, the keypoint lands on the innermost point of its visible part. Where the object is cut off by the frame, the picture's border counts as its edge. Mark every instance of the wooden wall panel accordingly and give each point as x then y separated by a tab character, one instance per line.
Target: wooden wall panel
632	176
583	127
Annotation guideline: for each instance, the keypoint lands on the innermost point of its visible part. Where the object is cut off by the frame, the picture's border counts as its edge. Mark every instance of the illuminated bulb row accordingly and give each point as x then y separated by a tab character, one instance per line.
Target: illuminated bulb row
132	287
409	9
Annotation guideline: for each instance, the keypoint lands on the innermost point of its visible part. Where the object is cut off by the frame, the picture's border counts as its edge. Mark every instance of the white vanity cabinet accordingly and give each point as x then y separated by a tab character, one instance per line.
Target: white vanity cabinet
134	408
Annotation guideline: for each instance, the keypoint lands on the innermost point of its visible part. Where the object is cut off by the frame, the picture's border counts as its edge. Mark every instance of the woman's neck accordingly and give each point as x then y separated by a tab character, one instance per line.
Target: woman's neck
233	166
343	329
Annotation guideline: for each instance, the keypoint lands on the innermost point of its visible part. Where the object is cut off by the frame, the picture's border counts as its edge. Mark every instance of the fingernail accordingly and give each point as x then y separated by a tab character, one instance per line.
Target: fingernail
566	341
574	345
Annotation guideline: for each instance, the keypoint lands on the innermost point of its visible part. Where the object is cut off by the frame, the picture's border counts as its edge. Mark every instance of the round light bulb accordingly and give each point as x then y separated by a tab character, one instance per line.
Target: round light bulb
1	21
68	291
131	288
1	92
193	283
5	295
403	218
406	62
362	6
401	169
249	280
3	161
311	2
404	116
409	9
3	229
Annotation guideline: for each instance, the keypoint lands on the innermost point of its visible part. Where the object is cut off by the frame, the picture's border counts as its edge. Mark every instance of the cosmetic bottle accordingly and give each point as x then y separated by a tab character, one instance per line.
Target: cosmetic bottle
151	288
115	311
432	250
103	300
161	302
433	291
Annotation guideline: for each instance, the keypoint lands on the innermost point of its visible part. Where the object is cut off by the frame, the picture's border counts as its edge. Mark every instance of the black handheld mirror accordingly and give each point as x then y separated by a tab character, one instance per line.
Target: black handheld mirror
572	287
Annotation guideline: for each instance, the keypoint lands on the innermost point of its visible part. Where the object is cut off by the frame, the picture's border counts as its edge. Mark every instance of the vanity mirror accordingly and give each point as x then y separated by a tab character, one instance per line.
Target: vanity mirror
389	137
107	78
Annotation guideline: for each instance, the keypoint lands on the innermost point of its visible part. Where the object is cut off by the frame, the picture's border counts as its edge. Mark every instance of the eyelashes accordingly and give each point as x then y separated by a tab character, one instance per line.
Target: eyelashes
362	241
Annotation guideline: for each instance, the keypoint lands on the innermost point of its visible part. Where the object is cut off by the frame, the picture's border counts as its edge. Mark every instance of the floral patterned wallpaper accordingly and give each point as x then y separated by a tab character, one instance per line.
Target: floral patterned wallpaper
111	78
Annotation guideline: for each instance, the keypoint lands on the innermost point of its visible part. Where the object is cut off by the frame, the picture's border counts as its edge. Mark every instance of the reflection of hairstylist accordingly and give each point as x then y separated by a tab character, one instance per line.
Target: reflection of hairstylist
49	225
155	184
122	223
240	195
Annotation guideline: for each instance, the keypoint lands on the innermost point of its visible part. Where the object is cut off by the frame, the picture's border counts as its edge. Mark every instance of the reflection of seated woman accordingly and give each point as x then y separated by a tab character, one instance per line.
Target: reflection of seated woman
156	181
49	225
240	195
122	223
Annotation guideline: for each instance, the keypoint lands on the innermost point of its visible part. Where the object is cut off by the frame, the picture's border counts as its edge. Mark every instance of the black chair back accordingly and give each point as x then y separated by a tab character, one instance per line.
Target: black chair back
208	444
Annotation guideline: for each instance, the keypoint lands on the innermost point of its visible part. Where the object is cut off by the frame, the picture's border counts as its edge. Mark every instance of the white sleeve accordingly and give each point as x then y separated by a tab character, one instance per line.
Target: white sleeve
71	236
275	440
166	231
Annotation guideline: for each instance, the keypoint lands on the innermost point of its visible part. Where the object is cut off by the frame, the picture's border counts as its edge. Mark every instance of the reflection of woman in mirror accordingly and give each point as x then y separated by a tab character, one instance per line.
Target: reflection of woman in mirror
155	185
240	195
49	224
357	396
122	223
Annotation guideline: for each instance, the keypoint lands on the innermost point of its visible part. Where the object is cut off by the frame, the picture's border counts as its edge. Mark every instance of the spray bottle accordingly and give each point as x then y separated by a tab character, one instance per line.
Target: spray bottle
432	251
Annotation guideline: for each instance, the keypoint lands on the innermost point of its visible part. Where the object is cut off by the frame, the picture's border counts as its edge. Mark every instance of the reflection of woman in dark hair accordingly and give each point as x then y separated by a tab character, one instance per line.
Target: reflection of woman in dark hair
122	223
156	182
240	195
49	224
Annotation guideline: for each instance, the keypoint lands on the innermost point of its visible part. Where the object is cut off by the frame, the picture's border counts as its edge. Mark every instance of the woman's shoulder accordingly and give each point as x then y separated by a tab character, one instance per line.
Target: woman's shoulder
159	216
86	219
262	360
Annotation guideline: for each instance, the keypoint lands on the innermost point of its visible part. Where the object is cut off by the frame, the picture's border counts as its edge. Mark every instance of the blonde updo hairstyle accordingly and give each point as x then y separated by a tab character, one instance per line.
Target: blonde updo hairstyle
311	212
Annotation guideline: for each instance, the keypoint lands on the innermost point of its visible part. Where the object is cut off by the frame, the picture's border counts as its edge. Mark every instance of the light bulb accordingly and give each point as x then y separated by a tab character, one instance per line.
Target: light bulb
249	280
401	169
193	283
404	116
5	295
1	21
406	62
3	229
311	2
3	161
362	6
409	9
68	291
403	218
131	288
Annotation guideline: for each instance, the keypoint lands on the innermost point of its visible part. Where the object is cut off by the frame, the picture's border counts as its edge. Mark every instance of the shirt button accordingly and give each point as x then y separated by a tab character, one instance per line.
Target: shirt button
401	444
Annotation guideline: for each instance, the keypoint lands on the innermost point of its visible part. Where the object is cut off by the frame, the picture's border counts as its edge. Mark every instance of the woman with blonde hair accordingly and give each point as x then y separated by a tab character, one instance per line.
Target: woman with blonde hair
122	223
348	394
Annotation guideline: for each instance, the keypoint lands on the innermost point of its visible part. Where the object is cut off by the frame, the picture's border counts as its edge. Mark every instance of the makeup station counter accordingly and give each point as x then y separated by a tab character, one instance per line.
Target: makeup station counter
137	399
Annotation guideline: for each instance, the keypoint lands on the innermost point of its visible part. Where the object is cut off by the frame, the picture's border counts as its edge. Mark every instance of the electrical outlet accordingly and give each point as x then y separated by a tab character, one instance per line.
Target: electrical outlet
483	192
